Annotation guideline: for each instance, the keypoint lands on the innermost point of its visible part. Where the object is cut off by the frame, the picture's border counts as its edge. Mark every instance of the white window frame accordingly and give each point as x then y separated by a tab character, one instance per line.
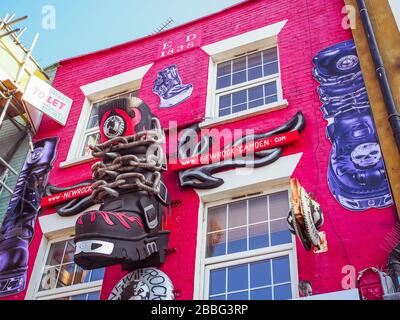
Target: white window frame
66	291
54	228
95	92
232	48
95	130
265	180
239	258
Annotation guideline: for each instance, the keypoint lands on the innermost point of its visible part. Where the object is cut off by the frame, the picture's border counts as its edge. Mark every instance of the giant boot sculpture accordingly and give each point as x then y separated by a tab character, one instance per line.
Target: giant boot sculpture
127	229
17	230
356	172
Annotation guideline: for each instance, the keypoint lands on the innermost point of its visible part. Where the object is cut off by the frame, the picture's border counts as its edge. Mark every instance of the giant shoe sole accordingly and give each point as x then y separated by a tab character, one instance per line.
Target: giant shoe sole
107	238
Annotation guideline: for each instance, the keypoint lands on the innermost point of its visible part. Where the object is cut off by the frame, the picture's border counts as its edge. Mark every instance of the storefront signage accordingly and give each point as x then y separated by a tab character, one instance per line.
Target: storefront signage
197	169
65	196
234	151
179	44
48	100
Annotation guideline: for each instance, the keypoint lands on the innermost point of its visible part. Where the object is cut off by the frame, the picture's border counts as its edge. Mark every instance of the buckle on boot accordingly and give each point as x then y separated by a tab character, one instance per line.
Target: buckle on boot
150	214
163	194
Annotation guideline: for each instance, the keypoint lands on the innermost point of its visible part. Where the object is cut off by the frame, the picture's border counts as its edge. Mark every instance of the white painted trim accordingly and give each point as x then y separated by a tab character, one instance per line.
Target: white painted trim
282	104
95	91
255	39
258	39
351	294
40	264
53	226
75	162
247	180
129	79
253	258
73	290
37	269
395	5
269	179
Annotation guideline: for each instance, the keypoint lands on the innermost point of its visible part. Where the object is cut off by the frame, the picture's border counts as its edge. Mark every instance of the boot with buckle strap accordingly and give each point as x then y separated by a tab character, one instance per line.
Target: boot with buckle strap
17	230
127	229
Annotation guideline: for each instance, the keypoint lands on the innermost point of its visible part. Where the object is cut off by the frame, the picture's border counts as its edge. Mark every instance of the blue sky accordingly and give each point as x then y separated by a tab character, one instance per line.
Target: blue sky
87	25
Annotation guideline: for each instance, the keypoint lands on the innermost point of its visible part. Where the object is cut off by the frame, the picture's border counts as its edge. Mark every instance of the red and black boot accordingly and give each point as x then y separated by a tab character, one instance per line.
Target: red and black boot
127	229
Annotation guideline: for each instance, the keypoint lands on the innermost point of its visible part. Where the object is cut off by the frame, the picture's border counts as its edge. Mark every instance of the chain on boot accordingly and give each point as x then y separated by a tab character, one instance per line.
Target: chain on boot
127	229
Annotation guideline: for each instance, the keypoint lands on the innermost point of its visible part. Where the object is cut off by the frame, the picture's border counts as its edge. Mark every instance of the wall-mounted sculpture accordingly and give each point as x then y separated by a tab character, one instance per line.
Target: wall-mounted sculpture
69	200
127	229
169	87
202	177
17	230
305	218
356	173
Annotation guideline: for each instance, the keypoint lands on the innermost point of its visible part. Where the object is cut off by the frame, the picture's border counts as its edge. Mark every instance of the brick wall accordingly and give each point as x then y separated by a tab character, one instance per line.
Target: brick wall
312	25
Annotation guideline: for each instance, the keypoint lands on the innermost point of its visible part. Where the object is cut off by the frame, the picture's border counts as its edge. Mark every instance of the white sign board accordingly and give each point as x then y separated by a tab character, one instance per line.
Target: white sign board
48	100
395	5
338	295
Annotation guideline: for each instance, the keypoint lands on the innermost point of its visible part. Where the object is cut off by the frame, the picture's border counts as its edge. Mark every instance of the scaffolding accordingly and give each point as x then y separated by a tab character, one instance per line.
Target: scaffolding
17	66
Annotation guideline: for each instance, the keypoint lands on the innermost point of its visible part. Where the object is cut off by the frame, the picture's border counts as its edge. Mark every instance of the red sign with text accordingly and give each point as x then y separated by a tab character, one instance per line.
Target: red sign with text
64	196
229	153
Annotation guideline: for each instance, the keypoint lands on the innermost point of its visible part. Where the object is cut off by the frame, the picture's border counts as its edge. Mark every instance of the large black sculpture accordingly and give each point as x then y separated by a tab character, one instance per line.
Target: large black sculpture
202	177
127	229
74	206
17	230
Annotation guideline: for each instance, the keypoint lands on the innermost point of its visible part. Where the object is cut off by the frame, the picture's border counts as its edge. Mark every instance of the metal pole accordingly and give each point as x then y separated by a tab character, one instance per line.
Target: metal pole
4	162
6	187
9	33
27	56
4	112
393	114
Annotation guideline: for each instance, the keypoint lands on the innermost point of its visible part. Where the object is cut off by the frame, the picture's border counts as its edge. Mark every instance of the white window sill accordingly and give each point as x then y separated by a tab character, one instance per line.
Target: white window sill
281	104
75	162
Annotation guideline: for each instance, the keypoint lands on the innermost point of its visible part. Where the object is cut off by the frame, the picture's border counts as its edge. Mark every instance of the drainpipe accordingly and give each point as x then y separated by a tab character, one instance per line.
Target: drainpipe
393	114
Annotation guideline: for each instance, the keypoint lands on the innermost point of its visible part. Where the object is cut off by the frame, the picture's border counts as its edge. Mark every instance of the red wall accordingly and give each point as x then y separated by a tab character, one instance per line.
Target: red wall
312	26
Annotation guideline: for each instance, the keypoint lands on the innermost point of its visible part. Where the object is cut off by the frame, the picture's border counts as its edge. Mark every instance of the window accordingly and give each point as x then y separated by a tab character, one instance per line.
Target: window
267	279
62	279
247	82
249	250
91	135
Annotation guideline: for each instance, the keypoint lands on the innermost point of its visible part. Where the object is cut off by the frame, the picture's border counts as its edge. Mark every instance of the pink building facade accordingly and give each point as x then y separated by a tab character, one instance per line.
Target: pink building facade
267	45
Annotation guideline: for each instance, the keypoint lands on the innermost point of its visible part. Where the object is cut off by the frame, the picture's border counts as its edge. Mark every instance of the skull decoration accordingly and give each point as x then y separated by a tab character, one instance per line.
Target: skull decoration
366	155
141	291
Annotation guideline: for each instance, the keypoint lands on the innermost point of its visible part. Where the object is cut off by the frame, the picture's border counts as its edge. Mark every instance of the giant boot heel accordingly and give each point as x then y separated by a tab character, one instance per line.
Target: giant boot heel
17	230
356	172
127	229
